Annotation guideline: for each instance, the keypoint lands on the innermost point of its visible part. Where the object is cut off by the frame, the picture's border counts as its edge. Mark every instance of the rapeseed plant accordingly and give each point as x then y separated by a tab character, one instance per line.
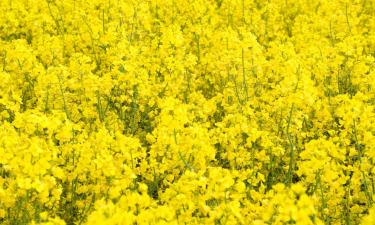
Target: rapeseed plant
187	112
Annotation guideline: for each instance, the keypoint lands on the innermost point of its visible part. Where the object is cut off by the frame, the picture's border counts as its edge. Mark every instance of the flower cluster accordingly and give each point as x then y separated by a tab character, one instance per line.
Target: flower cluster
187	112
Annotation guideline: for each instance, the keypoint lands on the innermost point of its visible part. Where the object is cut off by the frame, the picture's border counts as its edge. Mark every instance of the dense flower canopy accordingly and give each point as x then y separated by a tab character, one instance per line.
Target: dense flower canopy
187	112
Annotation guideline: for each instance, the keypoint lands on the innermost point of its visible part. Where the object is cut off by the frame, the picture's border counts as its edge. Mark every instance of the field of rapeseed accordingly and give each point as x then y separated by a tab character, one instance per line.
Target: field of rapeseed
187	112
